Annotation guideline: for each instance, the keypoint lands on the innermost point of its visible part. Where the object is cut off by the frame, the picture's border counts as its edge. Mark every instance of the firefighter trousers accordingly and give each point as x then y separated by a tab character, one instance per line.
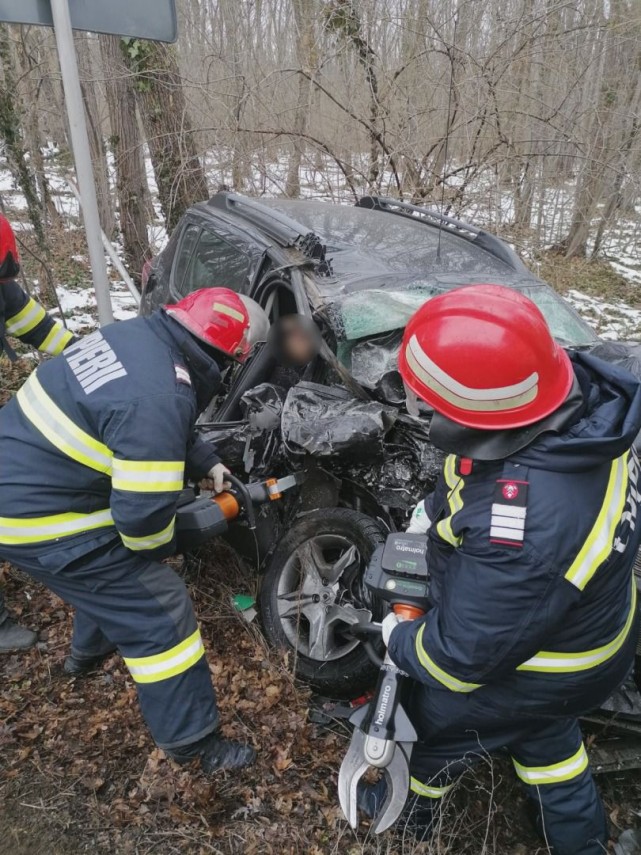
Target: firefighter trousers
141	608
457	731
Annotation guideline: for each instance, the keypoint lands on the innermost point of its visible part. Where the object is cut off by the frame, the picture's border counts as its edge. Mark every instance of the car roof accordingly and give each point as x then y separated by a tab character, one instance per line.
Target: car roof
366	246
381	246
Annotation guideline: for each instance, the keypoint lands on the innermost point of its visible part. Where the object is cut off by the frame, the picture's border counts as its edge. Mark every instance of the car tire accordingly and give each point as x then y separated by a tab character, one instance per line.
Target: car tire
324	656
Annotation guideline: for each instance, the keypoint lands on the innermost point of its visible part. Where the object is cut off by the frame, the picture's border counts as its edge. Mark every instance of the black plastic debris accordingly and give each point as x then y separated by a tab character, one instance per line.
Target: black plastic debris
408	467
327	421
253	444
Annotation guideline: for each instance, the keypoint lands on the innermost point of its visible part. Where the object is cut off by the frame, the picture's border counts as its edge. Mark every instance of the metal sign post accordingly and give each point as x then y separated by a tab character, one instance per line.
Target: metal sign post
82	156
142	19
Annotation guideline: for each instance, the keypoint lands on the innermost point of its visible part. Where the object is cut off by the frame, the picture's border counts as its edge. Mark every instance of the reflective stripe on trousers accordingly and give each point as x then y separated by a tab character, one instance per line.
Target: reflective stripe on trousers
143	608
162	666
427	790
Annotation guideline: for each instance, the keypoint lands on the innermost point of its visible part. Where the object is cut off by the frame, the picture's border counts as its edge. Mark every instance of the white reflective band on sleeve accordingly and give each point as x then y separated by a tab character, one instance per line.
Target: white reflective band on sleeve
162	666
17	530
59	430
556	773
148	476
56	340
150	541
466	397
26	319
428	792
598	544
565	663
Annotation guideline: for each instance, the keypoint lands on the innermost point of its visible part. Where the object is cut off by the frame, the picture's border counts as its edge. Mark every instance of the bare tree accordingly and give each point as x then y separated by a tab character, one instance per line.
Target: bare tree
180	176
126	142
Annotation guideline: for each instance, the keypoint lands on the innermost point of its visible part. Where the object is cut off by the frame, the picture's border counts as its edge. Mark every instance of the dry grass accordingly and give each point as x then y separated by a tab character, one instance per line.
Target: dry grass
596	278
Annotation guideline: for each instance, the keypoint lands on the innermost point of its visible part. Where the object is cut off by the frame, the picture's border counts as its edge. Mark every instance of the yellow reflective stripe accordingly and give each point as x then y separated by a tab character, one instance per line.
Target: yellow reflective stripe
447	680
556	773
17	530
26	319
162	666
56	340
147	476
562	663
598	544
455	484
58	428
428	792
150	541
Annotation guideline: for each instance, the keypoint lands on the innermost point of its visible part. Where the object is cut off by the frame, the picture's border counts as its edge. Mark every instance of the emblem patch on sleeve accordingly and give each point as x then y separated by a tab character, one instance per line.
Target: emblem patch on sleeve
182	375
509	509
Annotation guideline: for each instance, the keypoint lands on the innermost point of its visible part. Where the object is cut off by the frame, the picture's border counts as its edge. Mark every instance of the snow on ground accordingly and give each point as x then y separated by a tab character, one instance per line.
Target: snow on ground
79	306
612	319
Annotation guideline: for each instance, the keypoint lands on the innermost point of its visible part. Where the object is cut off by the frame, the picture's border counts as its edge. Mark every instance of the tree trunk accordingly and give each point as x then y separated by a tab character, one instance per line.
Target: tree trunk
305	55
13	142
28	54
127	146
96	136
179	173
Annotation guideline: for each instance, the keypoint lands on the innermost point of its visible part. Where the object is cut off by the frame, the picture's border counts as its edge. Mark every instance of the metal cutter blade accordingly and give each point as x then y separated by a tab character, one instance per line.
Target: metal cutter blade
353	768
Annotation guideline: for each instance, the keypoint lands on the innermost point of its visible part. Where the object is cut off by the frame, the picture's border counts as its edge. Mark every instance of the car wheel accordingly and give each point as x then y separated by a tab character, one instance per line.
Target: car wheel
313	590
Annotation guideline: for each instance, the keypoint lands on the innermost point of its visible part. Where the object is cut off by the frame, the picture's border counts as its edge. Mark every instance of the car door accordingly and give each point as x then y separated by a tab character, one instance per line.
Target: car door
207	258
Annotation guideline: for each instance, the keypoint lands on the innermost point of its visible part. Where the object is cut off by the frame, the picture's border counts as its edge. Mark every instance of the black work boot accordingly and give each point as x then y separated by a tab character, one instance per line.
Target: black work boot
78	666
215	753
15	637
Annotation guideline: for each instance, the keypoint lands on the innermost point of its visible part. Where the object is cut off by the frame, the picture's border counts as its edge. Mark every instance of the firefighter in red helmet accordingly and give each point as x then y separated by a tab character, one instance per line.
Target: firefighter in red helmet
532	536
108	426
22	317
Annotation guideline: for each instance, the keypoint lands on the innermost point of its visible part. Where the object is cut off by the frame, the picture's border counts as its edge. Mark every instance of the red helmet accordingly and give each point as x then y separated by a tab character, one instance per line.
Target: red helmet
483	356
9	258
229	322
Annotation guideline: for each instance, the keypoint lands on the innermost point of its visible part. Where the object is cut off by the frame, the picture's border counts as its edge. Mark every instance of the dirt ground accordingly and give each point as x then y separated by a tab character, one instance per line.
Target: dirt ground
79	773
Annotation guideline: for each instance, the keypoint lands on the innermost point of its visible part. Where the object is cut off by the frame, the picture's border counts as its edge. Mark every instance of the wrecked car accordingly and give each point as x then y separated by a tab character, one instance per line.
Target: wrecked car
338	422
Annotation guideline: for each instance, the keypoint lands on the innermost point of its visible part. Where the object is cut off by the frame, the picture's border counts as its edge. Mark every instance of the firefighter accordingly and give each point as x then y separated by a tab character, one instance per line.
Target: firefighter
22	317
532	532
93	450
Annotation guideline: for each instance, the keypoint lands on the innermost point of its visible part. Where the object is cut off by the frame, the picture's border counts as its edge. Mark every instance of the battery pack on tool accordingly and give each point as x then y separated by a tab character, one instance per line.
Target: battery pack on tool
398	570
199	518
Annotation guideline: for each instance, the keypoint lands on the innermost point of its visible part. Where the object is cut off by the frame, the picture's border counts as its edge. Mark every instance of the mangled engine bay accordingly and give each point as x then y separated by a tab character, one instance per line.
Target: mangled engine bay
383	453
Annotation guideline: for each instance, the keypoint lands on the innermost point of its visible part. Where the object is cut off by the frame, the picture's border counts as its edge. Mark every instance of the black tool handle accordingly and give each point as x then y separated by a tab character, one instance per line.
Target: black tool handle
385	701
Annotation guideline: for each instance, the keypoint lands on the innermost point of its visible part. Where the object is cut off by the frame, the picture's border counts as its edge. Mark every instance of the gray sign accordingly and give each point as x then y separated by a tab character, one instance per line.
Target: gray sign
141	19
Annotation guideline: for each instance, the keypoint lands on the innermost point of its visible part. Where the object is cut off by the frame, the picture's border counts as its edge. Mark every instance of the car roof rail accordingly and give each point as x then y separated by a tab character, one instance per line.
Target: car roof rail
277	226
429	216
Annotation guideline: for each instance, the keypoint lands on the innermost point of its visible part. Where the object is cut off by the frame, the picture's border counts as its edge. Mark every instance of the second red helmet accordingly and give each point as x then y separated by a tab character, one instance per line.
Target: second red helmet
222	319
9	257
484	357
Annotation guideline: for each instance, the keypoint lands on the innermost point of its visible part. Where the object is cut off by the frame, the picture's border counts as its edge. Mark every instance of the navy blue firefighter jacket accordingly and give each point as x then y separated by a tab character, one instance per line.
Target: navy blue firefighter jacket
97	438
532	587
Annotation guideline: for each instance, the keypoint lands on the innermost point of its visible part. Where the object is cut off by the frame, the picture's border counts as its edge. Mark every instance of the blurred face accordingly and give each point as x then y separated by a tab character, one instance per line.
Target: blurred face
295	339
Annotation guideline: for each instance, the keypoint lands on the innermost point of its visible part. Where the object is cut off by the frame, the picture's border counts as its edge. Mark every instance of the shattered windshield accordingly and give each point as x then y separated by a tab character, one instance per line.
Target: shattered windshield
363	314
